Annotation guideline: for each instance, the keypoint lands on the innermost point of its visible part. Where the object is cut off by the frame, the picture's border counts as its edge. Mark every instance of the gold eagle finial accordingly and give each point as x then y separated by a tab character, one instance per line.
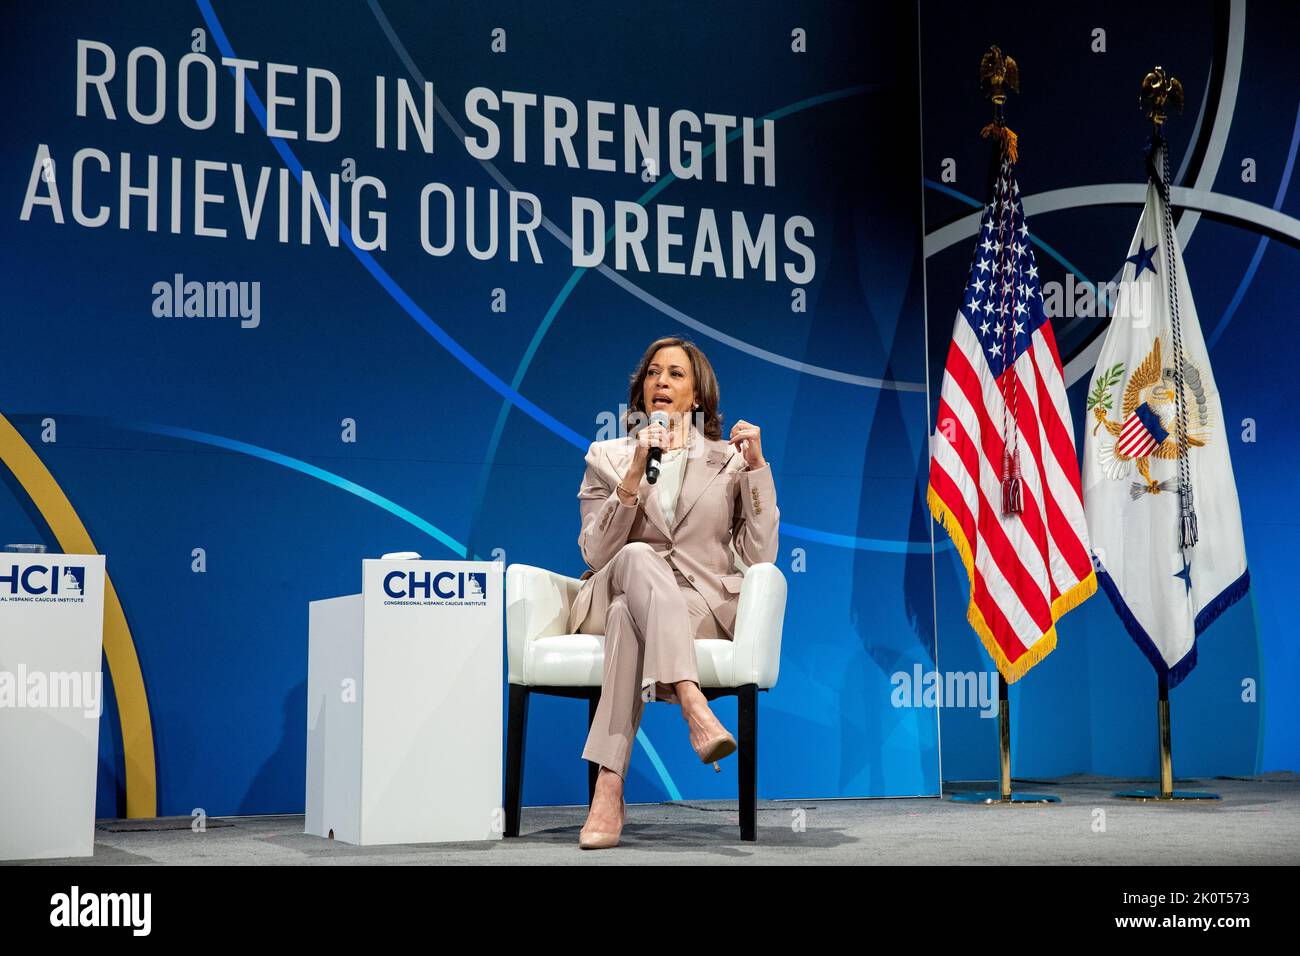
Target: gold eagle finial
1161	92
998	74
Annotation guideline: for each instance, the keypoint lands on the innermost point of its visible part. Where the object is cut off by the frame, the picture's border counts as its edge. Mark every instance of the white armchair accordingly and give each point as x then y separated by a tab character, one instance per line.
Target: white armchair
545	659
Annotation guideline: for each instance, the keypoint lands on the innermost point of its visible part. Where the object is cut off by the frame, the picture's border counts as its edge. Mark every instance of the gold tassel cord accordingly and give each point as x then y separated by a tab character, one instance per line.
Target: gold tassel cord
1010	141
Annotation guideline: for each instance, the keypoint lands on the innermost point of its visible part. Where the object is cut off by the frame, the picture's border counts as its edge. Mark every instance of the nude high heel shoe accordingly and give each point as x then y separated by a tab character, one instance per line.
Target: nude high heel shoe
603	839
715	748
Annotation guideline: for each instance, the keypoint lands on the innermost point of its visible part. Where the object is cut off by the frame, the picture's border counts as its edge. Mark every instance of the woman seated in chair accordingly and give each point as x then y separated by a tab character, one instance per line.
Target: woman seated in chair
662	572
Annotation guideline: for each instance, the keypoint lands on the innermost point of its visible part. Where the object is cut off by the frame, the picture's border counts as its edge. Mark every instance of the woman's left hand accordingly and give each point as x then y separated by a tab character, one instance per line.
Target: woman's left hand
748	440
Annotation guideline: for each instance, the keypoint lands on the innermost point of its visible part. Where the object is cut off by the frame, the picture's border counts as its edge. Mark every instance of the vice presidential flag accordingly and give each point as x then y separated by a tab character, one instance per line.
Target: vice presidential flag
1004	479
1157	480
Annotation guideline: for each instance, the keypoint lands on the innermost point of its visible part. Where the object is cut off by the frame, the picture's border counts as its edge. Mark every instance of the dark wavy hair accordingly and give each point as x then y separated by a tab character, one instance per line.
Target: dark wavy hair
706	387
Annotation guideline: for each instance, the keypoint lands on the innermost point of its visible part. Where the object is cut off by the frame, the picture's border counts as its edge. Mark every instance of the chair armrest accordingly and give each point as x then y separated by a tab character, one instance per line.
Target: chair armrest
537	605
759	620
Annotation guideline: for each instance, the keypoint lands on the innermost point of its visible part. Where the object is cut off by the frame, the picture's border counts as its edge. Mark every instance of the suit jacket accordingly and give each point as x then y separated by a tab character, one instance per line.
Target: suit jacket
720	501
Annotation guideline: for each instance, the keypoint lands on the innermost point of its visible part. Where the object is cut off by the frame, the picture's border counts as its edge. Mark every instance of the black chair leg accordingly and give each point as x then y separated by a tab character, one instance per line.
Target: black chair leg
747	770
515	734
593	769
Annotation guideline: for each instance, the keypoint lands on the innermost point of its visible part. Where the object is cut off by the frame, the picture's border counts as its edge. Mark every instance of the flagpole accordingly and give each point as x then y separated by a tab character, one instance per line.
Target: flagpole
999	74
1166	741
1160	93
1004	740
1164	729
1004	793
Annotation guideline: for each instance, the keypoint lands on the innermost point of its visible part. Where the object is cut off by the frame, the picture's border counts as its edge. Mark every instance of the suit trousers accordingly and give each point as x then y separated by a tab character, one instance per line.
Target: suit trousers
651	622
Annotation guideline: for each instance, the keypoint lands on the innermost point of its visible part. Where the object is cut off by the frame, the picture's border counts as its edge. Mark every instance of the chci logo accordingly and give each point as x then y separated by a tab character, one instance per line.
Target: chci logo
39	581
445	587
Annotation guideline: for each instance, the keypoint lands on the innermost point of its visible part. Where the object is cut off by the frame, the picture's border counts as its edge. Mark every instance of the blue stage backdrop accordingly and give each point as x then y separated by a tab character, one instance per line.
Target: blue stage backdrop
1090	706
372	379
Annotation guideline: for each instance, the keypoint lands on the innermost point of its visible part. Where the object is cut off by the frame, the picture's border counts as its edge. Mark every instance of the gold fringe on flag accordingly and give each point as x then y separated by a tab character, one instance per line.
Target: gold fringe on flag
1011	670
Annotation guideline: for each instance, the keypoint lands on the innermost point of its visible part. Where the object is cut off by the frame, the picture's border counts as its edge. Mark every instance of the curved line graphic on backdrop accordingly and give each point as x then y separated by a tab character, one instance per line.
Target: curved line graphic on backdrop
1223	114
408	304
410	517
1206	173
1033	236
657	762
275	458
1249	277
405	514
622	281
884	545
1239	212
298	465
138	753
1207	155
368	262
1221	206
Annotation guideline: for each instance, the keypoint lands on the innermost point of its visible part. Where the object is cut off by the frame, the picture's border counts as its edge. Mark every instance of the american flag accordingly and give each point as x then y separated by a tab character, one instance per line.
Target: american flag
1004	479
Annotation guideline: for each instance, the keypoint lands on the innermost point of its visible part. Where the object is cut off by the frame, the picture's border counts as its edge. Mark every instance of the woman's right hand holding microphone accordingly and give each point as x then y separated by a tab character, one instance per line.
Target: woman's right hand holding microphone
653	435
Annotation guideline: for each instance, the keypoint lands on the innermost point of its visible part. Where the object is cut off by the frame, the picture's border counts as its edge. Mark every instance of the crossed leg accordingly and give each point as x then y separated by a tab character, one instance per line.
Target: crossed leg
649	648
651	624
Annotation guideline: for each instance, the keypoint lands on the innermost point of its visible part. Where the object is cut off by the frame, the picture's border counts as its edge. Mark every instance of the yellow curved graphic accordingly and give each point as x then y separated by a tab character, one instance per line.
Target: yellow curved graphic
119	648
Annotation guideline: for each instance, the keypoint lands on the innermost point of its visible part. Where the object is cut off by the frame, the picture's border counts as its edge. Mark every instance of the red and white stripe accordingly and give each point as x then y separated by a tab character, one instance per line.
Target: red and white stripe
1021	563
1134	439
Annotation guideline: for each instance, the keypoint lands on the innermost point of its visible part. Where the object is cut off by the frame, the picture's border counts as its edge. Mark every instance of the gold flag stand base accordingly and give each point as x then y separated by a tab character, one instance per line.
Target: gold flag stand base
1166	793
1003	794
1173	795
992	796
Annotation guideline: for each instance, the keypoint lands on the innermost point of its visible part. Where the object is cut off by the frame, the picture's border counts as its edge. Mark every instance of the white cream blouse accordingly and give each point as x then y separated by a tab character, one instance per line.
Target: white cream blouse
672	469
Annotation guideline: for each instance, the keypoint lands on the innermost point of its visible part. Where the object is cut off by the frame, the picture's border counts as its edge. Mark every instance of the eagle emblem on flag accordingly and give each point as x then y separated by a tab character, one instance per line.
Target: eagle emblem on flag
1148	426
1154	447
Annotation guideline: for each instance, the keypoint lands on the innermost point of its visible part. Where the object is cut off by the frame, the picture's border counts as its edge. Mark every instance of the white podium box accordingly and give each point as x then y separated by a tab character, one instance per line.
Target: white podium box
51	696
404	704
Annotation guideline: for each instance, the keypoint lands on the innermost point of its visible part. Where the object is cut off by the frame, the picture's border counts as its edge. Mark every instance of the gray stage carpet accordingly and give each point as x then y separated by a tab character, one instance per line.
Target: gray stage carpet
1256	822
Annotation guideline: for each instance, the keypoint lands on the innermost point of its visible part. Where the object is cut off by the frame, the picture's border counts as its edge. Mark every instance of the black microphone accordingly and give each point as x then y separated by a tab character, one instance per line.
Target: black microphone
652	459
